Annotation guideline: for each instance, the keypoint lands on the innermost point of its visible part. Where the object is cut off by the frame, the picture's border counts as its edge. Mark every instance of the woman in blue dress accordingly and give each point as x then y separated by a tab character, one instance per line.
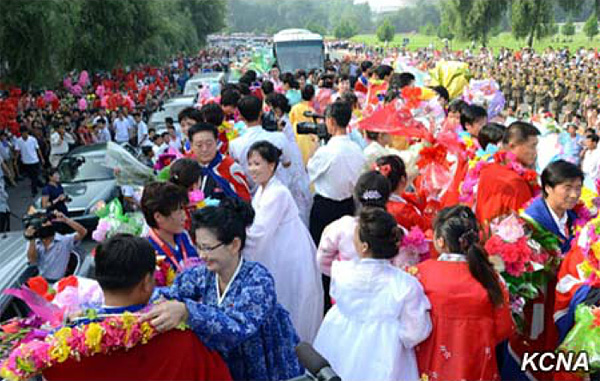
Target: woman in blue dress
231	303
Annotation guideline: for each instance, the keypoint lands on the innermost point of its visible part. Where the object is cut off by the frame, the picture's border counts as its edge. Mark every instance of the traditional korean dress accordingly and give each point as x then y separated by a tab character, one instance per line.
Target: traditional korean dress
246	324
280	241
407	212
466	326
380	315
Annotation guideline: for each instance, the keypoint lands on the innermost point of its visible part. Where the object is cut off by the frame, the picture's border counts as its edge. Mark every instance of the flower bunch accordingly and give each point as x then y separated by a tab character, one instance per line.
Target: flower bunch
113	333
164	275
414	248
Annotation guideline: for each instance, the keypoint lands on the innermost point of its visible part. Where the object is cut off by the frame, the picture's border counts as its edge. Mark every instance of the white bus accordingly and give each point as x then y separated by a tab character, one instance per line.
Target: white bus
298	49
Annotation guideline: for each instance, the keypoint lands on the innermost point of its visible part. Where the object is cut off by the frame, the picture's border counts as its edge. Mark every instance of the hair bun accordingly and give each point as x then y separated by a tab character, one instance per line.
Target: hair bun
241	210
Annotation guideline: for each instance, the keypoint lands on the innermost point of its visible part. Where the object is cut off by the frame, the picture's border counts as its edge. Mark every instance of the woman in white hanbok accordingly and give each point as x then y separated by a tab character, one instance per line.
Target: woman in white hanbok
280	241
381	312
299	185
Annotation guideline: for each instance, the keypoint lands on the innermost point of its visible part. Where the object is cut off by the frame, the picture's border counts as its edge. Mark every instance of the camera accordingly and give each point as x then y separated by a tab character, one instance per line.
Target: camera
268	121
36	220
314	128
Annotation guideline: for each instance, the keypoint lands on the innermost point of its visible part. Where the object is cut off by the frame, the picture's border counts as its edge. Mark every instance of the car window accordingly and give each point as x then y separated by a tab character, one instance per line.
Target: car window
80	168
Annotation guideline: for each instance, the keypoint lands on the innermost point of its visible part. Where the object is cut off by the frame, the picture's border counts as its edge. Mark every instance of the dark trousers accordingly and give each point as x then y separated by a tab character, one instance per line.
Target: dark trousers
33	172
324	211
4	222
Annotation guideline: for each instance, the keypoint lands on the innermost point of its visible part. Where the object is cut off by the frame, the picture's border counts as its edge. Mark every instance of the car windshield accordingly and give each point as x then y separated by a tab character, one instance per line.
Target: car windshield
81	168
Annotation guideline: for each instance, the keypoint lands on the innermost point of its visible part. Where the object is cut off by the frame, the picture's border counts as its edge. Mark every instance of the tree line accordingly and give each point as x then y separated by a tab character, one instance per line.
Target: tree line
479	20
341	18
40	40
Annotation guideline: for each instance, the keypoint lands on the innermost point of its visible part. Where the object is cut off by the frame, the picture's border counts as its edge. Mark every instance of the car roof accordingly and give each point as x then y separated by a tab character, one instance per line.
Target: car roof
87	150
13	262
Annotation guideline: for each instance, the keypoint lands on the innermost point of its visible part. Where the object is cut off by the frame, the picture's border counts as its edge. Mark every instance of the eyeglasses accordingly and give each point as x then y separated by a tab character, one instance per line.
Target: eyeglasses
208	249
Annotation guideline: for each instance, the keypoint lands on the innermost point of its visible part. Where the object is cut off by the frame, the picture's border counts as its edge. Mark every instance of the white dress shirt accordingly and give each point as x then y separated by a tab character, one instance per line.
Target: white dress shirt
121	130
28	149
335	167
560	222
591	164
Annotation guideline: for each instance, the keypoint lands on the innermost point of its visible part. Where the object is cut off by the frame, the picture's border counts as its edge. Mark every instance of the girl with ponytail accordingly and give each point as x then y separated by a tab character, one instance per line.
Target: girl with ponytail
469	304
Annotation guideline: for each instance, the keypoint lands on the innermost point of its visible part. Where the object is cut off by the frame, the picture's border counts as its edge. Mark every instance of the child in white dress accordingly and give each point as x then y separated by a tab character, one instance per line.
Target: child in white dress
381	312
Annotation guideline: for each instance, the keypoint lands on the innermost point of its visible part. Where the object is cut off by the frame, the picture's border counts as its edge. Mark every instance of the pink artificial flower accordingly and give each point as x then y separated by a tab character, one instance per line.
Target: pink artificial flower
509	229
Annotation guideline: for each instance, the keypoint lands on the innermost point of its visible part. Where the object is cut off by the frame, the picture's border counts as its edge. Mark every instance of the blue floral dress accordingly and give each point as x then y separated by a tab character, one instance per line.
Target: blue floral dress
253	332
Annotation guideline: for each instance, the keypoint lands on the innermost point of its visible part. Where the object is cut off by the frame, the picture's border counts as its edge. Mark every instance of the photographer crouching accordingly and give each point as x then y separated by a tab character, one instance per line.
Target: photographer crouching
47	249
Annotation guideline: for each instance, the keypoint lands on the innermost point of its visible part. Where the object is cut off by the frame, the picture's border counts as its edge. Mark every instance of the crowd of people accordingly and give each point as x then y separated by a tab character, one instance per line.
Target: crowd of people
309	238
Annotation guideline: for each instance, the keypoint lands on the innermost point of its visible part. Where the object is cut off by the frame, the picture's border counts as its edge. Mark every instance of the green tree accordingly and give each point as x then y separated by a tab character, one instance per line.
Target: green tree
316	27
591	27
345	29
532	19
444	31
386	31
476	19
428	29
569	28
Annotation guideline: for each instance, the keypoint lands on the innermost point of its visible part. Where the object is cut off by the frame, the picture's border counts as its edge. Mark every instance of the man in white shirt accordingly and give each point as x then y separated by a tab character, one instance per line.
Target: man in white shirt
591	160
59	144
121	126
102	132
29	151
333	170
142	131
250	108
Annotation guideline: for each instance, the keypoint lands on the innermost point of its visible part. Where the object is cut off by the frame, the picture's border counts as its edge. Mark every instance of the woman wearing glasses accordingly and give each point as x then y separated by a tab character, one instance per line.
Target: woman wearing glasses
229	302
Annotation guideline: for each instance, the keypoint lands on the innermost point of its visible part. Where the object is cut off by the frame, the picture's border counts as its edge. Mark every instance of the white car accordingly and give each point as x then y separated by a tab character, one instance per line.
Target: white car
212	79
170	108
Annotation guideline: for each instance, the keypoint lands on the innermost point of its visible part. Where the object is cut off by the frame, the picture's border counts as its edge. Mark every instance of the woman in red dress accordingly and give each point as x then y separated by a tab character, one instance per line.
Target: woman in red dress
407	208
469	306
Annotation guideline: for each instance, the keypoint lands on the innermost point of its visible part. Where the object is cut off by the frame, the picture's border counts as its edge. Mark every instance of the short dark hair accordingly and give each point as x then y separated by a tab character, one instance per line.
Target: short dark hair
383	71
230	97
185	173
279	101
123	261
308	92
519	132
349	97
289	79
593	137
405	79
164	198
227	221
250	107
341	112
267	87
491	133
457	105
191	113
169	120
365	66
201	127
442	92
372	189
559	172
212	113
378	229
472	113
267	151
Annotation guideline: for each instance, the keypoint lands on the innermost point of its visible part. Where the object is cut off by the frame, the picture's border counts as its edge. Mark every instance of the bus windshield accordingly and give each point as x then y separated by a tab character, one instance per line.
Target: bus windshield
294	55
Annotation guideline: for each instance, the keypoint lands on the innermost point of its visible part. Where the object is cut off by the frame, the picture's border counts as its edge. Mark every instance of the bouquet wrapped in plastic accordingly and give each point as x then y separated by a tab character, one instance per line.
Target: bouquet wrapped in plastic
585	335
453	75
128	170
485	92
114	221
524	254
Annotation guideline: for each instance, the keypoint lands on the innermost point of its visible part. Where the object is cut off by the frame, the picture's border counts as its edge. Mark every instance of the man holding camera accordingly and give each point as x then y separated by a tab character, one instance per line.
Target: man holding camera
50	250
334	169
